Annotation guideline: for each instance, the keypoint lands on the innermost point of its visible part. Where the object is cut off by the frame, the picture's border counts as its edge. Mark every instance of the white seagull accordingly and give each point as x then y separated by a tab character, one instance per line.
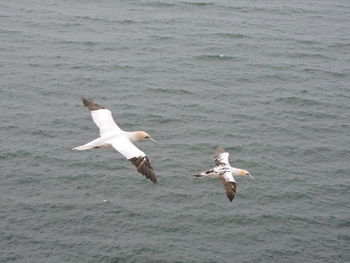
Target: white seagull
112	136
225	172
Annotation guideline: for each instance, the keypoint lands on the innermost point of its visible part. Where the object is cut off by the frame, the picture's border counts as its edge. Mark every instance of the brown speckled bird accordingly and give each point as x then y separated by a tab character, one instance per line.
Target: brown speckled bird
225	172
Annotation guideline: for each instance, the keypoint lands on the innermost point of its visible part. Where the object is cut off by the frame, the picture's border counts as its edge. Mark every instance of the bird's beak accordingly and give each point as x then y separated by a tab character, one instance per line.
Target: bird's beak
251	176
153	140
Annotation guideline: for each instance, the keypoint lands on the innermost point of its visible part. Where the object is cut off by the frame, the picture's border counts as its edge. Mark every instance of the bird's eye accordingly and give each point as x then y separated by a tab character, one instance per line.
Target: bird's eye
146	136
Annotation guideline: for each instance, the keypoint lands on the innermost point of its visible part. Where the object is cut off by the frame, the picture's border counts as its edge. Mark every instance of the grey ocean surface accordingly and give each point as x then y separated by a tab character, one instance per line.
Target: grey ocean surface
267	80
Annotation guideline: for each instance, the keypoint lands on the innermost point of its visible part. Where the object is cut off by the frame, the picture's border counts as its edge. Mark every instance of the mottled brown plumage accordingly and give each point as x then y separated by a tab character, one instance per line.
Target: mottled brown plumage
91	105
218	151
230	189
225	172
218	162
144	167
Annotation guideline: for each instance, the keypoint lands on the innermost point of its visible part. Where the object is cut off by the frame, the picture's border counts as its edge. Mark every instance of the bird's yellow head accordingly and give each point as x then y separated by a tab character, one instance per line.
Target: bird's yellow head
141	136
243	172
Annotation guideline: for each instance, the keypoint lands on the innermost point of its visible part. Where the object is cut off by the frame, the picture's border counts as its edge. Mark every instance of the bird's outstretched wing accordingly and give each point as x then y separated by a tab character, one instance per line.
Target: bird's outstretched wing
221	157
138	158
102	117
144	167
230	187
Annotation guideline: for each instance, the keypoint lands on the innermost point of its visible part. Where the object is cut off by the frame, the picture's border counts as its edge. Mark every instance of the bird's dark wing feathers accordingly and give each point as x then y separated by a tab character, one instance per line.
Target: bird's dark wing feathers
91	105
144	167
230	189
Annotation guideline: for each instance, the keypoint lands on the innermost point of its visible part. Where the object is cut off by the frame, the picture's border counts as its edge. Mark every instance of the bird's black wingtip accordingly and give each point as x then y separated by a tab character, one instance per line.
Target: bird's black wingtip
144	167
88	103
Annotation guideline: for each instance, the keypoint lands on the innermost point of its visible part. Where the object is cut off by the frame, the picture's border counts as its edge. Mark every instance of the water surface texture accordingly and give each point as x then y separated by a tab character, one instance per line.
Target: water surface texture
267	80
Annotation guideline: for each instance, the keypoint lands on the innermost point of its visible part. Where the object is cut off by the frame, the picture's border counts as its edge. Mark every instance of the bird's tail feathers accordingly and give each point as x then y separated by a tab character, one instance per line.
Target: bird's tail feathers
97	143
209	173
82	147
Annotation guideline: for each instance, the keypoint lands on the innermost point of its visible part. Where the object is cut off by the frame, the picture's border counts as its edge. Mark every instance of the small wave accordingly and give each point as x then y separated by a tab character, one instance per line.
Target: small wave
315	150
42	133
160	4
159	118
86	43
262	218
217	58
308	42
15	154
293	100
231	35
175	91
332	73
8	31
256	9
307	55
279	67
89	43
105	20
162	37
341	45
198	3
126	21
105	68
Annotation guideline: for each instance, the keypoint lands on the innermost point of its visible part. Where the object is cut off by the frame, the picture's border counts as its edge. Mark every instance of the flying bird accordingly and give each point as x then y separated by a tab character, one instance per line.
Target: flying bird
225	172
122	141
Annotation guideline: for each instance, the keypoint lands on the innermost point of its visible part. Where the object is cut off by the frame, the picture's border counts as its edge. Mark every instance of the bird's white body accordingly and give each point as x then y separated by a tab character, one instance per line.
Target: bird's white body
119	140
112	136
